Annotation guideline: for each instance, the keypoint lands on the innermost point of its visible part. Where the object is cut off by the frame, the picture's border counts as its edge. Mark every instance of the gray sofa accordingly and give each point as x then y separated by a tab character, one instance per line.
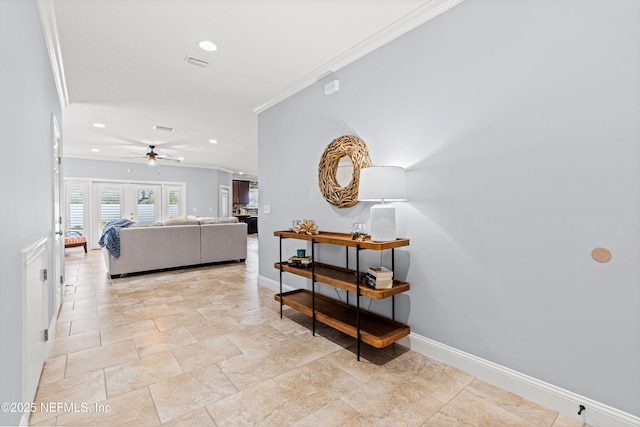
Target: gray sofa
178	243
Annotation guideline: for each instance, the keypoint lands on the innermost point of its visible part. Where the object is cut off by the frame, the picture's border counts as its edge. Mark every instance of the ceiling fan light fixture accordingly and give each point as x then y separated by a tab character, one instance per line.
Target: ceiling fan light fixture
207	45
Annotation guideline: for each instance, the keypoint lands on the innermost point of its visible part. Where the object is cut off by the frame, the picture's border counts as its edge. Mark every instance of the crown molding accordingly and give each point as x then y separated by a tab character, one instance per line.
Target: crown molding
405	24
50	30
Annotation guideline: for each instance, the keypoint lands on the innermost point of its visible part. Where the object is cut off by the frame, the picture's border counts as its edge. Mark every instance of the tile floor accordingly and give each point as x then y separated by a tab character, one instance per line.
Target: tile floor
206	347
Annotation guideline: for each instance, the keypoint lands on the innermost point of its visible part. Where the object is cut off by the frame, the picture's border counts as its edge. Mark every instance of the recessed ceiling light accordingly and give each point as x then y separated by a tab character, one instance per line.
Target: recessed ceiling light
207	45
95	150
213	141
99	125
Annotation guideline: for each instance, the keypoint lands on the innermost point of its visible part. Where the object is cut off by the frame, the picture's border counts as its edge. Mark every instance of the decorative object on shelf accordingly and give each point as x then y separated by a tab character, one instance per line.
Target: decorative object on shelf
307	226
355	150
379	278
382	183
300	261
358	231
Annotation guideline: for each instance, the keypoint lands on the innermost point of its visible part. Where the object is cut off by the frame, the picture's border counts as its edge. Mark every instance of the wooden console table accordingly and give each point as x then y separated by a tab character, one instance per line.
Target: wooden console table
363	325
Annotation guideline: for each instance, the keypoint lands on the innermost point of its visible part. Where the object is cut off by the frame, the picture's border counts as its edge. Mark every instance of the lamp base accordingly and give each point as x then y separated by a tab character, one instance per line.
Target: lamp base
383	223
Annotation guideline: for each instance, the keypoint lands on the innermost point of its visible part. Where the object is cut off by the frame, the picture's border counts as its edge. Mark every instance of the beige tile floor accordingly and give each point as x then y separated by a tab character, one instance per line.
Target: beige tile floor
206	347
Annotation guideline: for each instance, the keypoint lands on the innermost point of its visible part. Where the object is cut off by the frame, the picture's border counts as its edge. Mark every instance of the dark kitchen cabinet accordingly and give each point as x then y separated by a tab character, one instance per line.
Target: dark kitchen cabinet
240	192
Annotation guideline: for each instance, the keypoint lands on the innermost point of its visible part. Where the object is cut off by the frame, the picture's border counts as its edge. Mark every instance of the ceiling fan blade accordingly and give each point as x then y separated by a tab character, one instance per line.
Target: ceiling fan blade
133	141
170	160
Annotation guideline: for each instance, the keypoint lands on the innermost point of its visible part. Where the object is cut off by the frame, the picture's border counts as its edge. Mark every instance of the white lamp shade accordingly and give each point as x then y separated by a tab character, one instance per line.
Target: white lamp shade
386	183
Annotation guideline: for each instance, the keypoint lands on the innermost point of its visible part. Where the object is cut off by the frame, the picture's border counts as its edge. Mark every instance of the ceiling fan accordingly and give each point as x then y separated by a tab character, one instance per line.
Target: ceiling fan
152	157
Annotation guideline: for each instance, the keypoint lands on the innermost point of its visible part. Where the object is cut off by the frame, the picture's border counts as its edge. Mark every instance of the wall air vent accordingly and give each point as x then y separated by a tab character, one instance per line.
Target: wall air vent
164	128
196	61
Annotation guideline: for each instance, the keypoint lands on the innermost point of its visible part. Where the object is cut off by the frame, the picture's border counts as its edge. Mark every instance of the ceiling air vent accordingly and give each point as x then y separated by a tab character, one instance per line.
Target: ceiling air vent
164	128
196	61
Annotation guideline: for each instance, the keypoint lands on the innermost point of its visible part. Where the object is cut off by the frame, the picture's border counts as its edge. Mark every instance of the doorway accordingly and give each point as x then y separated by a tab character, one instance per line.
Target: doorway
224	196
57	279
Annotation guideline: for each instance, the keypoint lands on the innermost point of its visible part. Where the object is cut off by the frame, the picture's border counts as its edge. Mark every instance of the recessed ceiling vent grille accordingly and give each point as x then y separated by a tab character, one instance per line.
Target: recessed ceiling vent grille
164	128
195	61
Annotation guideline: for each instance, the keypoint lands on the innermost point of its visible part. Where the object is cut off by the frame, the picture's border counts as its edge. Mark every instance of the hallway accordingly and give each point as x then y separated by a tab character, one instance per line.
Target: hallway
205	346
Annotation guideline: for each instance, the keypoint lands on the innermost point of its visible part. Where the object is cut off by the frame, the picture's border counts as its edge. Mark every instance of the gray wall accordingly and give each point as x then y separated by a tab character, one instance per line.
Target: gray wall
202	184
518	125
27	100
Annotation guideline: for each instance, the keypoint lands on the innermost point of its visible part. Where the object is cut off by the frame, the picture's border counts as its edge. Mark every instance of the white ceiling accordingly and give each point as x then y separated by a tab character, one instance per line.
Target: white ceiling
122	62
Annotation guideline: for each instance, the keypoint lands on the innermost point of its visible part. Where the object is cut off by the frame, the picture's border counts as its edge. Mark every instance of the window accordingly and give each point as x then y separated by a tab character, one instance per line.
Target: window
90	204
147	203
110	201
77	217
174	206
174	203
253	193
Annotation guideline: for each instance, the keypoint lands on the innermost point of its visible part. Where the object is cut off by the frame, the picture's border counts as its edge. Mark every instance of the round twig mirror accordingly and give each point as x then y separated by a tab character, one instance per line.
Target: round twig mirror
339	170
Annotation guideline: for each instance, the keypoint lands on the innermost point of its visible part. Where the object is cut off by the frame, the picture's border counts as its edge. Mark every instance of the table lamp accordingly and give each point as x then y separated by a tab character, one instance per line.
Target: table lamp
383	184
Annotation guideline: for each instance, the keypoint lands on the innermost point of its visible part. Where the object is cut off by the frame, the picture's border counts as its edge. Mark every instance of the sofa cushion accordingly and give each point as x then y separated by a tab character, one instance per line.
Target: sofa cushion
207	220
182	222
146	224
230	220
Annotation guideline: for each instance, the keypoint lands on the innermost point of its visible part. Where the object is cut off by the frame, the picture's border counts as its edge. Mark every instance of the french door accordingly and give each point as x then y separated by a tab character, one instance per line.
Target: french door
110	204
174	201
147	203
77	197
92	204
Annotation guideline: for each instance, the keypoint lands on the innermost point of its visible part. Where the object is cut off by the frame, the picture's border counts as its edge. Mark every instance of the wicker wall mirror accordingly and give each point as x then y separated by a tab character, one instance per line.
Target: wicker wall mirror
338	188
344	173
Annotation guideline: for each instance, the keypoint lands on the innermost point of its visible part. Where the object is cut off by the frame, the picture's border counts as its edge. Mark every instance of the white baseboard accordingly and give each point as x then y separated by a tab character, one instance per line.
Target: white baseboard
24	420
274	285
563	401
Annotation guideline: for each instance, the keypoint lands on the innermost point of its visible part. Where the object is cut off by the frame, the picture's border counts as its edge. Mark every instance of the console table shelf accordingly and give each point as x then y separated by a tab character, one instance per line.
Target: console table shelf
375	330
363	325
344	279
342	239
